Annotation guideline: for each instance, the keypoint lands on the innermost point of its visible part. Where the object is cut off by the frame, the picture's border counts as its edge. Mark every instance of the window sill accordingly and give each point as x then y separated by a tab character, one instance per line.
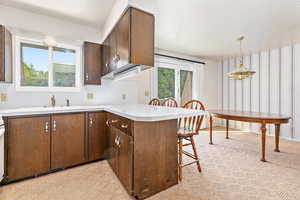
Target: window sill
47	89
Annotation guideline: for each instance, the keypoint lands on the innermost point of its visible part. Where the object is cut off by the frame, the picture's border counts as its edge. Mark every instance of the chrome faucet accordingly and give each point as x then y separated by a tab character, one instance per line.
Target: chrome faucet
68	102
53	101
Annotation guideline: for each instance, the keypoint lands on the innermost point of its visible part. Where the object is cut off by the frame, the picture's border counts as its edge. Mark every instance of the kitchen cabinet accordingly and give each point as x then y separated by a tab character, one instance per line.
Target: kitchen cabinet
113	49
125	147
143	155
5	55
28	141
67	140
106	57
120	148
92	63
131	42
97	139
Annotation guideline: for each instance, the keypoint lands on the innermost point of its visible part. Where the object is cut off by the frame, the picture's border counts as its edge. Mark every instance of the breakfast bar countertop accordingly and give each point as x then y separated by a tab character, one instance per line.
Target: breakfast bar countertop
135	112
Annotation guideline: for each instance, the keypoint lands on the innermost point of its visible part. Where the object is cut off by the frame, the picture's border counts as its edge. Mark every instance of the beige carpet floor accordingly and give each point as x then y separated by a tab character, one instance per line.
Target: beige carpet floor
231	171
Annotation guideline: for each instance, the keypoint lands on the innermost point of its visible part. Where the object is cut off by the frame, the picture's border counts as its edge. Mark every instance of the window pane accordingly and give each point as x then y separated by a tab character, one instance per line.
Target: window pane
166	83
186	81
34	65
64	67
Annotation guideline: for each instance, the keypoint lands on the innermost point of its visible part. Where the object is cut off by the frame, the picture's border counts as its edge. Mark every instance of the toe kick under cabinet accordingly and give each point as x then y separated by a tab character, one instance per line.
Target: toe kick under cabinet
39	144
143	155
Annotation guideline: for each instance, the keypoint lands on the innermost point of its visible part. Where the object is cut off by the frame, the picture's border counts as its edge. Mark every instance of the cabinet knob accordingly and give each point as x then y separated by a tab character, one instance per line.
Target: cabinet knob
47	127
87	76
54	125
91	122
124	126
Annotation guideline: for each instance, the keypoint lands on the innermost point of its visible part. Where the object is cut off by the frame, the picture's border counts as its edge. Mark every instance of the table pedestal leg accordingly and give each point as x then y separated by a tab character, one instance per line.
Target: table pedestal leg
210	129
263	141
227	128
277	133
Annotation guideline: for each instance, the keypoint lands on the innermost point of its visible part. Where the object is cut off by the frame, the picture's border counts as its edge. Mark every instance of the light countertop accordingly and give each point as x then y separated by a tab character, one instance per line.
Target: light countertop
135	112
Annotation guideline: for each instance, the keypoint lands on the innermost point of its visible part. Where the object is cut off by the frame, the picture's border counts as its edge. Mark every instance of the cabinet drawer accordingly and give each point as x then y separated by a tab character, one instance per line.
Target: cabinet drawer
121	123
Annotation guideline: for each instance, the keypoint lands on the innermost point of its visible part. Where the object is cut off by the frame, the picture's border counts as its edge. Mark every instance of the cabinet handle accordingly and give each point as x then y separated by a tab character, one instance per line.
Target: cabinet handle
87	76
46	127
91	122
108	122
54	125
116	140
119	142
124	126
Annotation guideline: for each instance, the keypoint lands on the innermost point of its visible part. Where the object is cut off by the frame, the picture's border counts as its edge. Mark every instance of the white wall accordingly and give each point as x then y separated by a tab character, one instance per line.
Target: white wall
34	25
274	88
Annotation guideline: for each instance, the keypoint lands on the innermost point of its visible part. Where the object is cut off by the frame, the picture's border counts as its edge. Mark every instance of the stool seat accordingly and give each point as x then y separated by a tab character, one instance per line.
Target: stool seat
185	132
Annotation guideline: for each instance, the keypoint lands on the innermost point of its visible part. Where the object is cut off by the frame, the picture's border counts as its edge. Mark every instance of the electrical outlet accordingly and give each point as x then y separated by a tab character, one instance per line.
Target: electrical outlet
147	93
90	96
123	96
3	97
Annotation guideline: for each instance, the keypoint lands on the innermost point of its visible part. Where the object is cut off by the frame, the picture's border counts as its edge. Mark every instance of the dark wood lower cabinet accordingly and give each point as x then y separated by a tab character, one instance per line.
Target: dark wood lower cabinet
97	139
120	160
28	144
143	155
67	140
145	160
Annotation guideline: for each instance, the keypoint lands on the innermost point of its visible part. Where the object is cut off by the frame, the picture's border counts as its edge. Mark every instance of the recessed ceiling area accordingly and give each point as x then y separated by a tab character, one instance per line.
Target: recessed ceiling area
209	28
204	28
89	12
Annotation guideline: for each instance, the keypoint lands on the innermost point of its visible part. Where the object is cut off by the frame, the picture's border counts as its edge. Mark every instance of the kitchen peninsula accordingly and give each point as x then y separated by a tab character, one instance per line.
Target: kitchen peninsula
139	142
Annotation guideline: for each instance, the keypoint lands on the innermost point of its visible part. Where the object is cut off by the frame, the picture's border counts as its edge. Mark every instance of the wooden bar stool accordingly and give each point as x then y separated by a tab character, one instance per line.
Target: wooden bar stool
189	126
170	102
154	102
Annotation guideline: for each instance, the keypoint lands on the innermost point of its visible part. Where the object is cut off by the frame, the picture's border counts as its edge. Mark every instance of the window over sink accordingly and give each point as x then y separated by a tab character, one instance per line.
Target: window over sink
45	68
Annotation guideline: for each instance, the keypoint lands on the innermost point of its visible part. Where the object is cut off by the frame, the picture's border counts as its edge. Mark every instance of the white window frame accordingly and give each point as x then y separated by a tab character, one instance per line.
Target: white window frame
177	66
50	87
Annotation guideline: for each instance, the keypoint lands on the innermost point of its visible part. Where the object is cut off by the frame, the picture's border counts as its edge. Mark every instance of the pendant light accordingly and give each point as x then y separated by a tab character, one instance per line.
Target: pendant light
240	72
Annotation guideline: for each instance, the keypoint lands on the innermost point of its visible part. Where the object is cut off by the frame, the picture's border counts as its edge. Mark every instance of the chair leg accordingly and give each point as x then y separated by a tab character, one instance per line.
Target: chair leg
180	160
195	153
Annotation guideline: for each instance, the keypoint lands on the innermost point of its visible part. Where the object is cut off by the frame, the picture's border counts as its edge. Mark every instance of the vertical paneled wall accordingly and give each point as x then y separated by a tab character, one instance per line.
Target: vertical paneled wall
275	88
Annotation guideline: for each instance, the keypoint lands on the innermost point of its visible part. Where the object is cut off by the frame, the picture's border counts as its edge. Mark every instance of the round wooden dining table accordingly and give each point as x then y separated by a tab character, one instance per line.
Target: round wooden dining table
251	117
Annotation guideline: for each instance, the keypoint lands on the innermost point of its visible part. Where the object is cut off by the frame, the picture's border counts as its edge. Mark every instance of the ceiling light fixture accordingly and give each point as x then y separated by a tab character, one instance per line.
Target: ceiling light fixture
240	72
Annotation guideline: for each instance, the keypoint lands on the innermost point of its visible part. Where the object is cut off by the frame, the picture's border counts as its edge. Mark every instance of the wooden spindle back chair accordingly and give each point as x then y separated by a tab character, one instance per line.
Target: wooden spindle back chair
189	126
170	102
155	102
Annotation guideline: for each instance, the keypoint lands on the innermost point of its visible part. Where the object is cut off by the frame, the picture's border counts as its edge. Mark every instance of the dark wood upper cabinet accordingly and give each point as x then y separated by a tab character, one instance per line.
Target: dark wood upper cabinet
106	56
131	41
28	144
92	63
123	50
67	140
5	55
96	135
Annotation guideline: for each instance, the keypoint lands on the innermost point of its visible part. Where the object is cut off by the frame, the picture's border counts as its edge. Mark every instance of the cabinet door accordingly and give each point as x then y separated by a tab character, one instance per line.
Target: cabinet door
113	49
67	140
123	40
5	55
97	138
2	53
125	160
106	57
28	147
113	150
92	63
